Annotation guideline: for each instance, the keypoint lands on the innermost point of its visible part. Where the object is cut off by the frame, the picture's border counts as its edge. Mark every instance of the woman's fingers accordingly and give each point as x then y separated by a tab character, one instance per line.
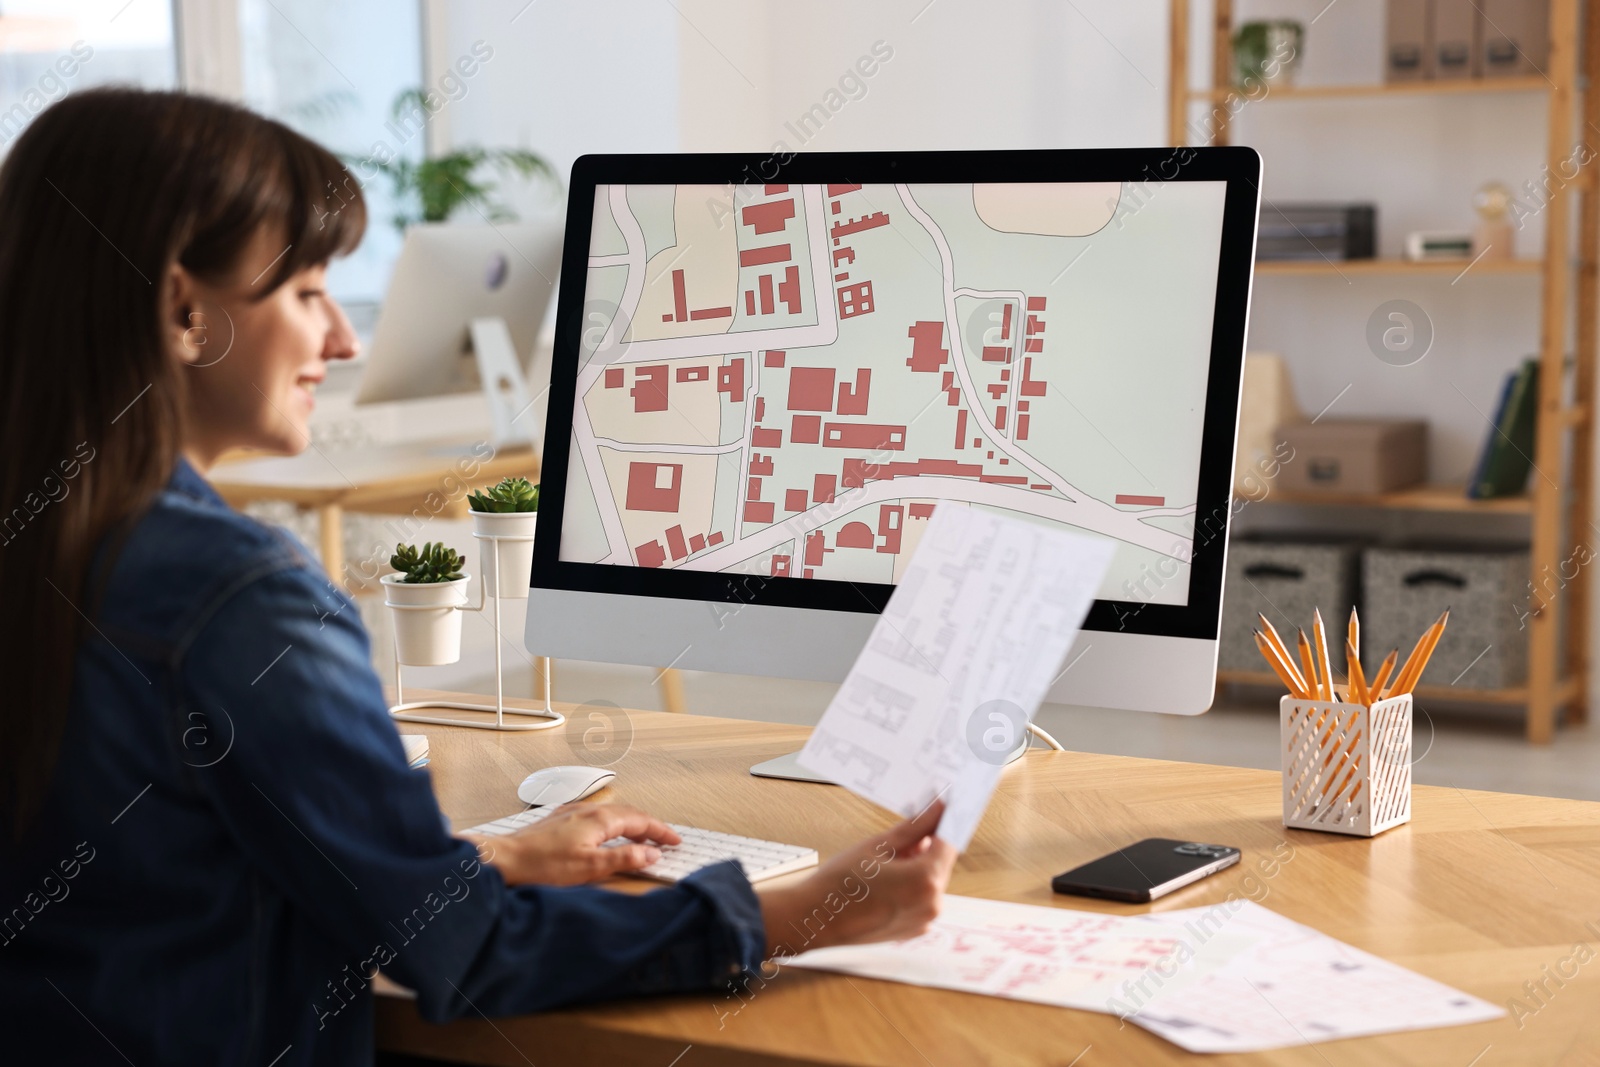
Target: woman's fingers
942	856
906	834
620	820
624	858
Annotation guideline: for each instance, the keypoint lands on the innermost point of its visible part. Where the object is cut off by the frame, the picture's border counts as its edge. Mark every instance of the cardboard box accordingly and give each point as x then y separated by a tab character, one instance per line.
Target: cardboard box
1408	48
1457	39
1266	401
1515	37
1339	456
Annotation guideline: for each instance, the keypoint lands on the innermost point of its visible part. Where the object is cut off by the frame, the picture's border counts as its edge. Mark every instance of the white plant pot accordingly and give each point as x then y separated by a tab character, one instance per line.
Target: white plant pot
507	565
427	619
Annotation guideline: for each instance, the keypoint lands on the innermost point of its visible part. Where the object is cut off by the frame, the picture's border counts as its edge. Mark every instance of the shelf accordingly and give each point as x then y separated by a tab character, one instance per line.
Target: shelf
1566	690
1452	87
1346	267
1417	498
1568	101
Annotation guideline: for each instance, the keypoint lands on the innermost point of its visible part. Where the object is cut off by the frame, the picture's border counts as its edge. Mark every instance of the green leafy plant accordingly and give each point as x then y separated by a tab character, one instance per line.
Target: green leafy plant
432	563
509	495
432	189
1265	50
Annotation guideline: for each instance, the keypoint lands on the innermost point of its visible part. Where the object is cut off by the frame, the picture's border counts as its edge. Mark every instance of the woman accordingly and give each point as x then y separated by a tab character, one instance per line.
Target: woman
212	839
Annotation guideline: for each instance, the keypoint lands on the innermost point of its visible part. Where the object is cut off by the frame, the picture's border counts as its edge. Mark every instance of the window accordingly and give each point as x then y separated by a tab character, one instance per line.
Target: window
49	48
332	71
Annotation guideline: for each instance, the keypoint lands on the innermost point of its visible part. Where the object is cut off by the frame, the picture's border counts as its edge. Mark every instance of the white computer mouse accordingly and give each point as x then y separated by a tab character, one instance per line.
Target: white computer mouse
562	785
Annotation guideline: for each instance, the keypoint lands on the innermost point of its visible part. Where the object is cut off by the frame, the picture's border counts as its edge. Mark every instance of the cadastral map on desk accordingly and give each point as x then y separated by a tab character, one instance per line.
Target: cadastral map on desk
1231	977
965	650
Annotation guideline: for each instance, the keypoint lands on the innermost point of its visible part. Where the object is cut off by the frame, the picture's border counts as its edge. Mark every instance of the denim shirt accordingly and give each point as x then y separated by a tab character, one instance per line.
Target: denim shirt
233	843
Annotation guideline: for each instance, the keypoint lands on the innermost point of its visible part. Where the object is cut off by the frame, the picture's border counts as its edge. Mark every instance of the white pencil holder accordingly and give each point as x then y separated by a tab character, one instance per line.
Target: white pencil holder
1346	767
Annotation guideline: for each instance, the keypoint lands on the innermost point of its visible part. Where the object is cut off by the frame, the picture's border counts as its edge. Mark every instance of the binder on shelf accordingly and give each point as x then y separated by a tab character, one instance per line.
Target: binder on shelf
1507	454
1514	37
1408	49
1457	30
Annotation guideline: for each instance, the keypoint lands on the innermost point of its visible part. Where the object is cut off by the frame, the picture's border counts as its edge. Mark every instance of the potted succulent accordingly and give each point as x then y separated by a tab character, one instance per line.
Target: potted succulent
509	511
426	595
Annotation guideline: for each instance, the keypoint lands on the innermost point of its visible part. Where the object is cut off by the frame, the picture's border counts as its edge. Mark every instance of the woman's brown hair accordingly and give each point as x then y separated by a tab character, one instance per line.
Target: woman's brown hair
99	197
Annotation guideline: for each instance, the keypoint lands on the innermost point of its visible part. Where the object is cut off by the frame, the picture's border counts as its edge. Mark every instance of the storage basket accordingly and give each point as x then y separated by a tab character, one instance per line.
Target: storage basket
1285	580
1486	589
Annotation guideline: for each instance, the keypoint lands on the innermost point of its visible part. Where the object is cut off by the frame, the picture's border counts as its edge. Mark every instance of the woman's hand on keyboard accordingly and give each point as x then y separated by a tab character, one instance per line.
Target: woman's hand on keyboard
567	846
884	888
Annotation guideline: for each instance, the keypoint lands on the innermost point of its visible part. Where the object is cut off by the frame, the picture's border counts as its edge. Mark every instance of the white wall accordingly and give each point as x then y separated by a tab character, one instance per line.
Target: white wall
717	75
566	78
964	73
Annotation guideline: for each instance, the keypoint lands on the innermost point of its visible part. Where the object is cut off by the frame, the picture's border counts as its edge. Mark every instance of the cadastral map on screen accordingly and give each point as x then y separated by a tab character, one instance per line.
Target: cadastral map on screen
785	380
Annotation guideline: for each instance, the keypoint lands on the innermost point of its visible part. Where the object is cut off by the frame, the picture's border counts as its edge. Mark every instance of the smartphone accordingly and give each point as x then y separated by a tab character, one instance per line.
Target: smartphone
1145	870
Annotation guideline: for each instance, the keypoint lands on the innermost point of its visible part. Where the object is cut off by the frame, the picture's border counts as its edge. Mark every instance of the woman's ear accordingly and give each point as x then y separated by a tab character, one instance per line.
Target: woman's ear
185	322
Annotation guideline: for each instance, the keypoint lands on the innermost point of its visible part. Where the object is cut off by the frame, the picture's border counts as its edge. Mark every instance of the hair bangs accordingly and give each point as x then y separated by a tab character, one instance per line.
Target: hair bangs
319	208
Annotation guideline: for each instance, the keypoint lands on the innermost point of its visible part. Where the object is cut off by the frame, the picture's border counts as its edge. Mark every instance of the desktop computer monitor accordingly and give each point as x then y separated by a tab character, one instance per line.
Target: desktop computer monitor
451	286
769	371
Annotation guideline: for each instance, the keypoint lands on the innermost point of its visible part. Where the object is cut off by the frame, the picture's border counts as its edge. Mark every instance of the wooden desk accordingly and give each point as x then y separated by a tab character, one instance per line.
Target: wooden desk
386	479
1481	890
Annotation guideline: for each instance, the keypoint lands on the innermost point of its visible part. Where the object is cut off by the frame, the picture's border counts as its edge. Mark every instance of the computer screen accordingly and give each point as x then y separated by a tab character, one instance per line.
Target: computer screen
800	373
447	275
769	371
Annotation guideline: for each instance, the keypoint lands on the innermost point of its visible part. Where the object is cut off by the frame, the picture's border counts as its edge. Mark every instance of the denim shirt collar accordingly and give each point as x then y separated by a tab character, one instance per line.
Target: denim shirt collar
191	483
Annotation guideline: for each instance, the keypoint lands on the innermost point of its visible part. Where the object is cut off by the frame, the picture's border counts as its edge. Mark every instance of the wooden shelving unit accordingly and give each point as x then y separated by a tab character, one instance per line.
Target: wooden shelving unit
1418	498
1515	697
1450	268
1560	500
1532	83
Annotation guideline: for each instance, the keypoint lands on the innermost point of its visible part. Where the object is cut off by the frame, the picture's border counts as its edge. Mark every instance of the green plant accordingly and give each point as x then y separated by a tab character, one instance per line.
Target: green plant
1263	50
509	495
432	563
431	189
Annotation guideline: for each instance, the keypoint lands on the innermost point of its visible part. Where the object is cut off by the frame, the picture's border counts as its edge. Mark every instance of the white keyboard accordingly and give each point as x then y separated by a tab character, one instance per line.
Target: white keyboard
700	848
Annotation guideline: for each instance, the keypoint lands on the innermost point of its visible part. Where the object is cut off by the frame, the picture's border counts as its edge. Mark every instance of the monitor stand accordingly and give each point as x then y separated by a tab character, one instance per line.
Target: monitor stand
788	766
504	387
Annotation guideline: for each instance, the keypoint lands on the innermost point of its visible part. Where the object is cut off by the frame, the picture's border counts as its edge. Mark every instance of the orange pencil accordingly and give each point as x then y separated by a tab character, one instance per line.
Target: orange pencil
1319	635
1309	664
1278	664
1427	653
1354	766
1401	672
1358	681
1383	673
1343	754
1282	650
1412	672
1353	632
